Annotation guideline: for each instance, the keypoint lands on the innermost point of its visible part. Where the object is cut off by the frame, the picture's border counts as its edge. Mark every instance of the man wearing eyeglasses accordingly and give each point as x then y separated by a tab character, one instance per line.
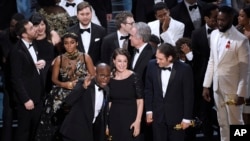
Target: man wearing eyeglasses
124	22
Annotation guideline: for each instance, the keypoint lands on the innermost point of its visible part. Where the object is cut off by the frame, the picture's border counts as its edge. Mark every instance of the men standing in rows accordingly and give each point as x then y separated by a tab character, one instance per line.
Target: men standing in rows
168	95
189	12
201	50
166	28
88	102
228	70
90	35
26	81
120	39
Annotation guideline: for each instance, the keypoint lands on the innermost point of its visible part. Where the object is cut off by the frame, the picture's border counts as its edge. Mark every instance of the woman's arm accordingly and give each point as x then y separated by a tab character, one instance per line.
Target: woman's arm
55	75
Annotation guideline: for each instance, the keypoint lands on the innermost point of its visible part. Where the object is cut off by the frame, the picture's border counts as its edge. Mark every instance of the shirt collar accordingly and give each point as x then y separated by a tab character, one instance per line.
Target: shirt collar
26	43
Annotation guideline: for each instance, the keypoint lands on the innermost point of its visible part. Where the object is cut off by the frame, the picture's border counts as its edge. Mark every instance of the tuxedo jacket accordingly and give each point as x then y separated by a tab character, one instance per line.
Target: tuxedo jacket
26	81
201	52
180	13
178	101
175	31
101	9
140	67
109	44
97	34
78	124
229	72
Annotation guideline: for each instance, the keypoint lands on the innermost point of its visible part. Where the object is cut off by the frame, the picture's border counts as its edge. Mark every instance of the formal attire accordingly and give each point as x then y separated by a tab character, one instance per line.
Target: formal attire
140	60
111	42
86	119
92	40
123	110
202	109
27	84
228	70
169	96
174	32
192	18
71	68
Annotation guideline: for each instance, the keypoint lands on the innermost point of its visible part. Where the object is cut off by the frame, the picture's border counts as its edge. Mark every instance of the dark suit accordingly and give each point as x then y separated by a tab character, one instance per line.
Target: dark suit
140	67
180	13
109	44
177	103
97	34
78	125
203	109
27	84
101	9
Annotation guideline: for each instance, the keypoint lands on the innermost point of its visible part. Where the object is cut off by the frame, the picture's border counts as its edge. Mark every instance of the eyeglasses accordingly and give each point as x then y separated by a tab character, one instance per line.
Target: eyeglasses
102	76
130	23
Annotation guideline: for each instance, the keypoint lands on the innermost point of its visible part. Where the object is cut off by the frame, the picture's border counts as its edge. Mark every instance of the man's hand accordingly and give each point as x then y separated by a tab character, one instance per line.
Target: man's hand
206	94
239	100
40	64
166	22
29	105
149	118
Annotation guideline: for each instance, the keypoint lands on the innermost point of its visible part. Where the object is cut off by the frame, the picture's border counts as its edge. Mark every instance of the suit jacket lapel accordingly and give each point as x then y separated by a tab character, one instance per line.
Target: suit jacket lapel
159	77
24	48
93	35
92	92
80	43
172	76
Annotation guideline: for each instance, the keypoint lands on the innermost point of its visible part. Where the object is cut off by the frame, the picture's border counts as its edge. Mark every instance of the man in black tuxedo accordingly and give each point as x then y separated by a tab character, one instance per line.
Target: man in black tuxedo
190	13
139	36
201	51
88	102
120	39
90	35
26	70
143	51
168	95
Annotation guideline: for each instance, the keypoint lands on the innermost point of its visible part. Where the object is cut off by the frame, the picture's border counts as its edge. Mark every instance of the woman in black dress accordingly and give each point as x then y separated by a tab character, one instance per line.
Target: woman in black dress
126	99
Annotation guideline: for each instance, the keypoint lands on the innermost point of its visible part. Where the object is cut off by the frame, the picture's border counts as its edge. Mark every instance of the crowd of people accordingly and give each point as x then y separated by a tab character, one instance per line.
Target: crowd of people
170	69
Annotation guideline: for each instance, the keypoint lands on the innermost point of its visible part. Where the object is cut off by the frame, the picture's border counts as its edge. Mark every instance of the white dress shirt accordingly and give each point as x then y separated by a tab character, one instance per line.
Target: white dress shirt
86	37
137	54
194	15
98	101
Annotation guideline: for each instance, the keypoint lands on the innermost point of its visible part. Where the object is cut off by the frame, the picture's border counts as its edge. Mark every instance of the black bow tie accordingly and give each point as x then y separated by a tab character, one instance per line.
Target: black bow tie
99	88
191	7
70	4
124	37
30	45
166	68
87	29
209	30
137	50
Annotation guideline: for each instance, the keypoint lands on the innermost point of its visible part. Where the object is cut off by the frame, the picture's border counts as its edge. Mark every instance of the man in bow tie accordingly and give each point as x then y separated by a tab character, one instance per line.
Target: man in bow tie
228	70
90	35
169	95
189	12
87	117
201	51
119	39
26	81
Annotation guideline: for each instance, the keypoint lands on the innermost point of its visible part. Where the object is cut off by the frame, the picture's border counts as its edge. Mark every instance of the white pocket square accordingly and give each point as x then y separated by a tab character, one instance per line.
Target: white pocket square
97	39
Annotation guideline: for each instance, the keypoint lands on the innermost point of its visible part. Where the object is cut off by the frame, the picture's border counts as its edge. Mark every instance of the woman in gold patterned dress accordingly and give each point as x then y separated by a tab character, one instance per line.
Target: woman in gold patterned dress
67	69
